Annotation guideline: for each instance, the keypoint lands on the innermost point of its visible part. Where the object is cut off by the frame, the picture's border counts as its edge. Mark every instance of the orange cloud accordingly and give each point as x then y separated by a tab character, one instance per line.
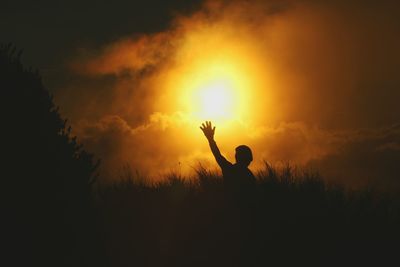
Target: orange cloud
309	74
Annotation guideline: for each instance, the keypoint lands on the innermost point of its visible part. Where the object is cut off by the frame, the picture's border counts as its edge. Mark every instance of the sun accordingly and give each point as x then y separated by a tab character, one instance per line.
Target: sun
211	78
215	91
216	100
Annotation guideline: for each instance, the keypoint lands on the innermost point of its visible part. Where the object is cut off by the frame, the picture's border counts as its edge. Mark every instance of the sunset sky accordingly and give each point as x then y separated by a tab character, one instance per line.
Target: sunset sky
311	83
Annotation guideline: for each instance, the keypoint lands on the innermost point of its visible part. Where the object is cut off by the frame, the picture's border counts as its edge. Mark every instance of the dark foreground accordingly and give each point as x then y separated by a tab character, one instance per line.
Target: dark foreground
284	219
53	214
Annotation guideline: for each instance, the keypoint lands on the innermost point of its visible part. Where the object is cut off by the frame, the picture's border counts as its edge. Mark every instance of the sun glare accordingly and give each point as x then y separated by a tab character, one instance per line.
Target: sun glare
213	77
215	92
216	100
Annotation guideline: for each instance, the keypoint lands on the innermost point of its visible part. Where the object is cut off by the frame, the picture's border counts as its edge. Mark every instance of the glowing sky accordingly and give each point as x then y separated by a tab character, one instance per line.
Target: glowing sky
211	83
314	83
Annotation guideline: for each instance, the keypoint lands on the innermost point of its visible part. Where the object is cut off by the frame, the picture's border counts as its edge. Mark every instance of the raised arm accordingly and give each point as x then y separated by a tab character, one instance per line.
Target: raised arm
209	131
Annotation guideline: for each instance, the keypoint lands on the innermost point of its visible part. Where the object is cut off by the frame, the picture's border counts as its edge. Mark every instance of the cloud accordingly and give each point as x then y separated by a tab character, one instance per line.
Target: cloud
367	158
153	149
325	89
354	158
126	55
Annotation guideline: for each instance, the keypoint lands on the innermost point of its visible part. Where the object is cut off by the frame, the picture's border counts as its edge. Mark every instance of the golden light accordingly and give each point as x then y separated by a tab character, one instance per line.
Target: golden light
216	100
213	76
215	91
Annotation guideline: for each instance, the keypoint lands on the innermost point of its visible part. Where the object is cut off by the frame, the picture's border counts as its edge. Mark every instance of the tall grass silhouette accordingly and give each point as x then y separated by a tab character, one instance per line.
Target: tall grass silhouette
288	217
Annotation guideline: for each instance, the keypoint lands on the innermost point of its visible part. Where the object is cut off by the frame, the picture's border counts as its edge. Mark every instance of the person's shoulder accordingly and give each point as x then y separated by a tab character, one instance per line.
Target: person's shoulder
229	164
225	164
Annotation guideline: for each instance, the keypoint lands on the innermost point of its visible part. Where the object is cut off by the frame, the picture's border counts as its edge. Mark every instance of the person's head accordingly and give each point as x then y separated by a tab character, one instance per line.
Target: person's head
243	155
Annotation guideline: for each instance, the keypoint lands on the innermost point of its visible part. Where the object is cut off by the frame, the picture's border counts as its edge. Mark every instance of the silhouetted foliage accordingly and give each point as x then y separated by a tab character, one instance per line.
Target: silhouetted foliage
46	175
289	217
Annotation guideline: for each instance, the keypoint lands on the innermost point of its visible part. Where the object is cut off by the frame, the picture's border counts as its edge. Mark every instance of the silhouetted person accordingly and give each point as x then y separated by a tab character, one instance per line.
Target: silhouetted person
234	174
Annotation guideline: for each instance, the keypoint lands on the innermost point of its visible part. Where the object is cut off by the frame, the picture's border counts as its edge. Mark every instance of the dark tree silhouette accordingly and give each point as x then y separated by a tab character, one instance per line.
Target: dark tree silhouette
46	176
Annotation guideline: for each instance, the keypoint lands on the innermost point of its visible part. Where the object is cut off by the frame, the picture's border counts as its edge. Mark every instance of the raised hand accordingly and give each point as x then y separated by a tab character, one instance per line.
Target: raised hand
208	130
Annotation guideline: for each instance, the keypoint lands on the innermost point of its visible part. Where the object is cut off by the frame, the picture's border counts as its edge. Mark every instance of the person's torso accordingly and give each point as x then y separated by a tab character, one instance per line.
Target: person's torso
236	173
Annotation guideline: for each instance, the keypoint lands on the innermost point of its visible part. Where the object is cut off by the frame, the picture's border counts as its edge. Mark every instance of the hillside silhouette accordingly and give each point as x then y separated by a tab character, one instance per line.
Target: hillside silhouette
52	215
